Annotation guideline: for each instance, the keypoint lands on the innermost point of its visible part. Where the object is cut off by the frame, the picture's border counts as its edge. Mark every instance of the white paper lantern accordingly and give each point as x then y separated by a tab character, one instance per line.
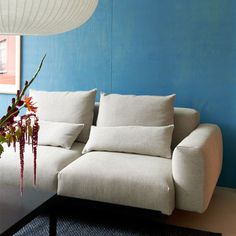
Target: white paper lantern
43	17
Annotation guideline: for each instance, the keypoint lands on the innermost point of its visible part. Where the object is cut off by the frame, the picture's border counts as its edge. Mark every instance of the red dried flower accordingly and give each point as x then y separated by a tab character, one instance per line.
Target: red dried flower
23	129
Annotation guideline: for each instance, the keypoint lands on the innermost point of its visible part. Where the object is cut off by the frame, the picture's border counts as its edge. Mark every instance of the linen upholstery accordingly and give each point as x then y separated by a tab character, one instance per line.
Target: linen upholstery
185	121
50	161
196	165
69	107
131	110
120	178
58	134
154	141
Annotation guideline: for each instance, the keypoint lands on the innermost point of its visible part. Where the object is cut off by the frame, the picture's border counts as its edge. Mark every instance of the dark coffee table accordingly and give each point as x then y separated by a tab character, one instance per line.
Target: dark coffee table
16	210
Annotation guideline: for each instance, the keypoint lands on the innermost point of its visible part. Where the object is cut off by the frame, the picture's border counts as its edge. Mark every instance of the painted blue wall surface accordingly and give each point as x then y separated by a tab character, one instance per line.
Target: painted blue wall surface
149	47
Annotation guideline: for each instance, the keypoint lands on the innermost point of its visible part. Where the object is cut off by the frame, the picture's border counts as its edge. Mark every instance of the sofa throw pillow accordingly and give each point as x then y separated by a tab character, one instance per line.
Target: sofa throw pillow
58	134
154	141
131	110
69	107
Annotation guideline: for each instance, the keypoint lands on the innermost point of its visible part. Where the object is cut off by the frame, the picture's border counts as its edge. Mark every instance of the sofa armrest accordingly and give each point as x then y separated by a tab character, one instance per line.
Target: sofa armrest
196	166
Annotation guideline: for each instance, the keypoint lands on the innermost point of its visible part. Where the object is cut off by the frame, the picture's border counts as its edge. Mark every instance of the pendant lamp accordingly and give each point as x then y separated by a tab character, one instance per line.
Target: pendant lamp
43	17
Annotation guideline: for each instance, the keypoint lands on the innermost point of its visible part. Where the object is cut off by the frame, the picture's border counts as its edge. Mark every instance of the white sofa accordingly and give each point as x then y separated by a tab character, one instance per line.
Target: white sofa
185	181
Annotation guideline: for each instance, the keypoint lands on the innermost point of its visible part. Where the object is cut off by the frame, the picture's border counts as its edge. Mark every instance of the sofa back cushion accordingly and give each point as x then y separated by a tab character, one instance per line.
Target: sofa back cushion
185	121
132	110
69	107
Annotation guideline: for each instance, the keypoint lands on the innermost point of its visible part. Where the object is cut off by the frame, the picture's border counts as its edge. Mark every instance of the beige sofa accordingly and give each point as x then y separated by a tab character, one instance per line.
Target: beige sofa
186	181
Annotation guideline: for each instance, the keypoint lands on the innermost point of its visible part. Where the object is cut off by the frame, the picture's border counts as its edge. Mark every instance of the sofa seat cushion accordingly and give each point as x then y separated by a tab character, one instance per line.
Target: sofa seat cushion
120	178
50	160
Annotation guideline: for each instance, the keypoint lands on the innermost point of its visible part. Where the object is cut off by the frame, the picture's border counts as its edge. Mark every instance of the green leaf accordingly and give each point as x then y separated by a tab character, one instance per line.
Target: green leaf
8	136
30	131
2	139
1	149
18	133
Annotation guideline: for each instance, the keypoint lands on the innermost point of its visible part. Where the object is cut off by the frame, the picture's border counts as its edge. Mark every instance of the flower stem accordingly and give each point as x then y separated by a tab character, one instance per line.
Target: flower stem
9	116
18	99
32	80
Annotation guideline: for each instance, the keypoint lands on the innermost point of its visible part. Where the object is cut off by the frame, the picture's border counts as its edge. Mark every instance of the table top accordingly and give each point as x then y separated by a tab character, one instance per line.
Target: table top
15	209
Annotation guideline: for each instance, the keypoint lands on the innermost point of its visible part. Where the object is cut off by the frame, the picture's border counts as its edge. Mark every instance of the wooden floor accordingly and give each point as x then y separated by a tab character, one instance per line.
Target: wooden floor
219	217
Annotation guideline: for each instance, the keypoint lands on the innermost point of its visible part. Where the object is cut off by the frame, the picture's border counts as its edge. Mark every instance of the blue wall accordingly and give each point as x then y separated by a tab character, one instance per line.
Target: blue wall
150	47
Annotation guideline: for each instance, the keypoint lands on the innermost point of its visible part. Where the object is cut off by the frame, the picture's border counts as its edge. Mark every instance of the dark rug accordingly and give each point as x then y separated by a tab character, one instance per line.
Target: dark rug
90	226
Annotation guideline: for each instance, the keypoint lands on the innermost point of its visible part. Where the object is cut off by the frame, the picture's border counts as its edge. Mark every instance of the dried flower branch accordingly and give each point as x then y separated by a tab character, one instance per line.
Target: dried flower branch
24	129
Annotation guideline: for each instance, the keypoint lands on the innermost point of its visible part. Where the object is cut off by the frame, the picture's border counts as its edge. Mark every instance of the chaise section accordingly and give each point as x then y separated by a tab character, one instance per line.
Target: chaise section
120	178
197	162
50	161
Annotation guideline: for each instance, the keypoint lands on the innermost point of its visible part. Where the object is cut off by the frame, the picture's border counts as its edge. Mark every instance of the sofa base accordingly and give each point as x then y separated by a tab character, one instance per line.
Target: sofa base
74	207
